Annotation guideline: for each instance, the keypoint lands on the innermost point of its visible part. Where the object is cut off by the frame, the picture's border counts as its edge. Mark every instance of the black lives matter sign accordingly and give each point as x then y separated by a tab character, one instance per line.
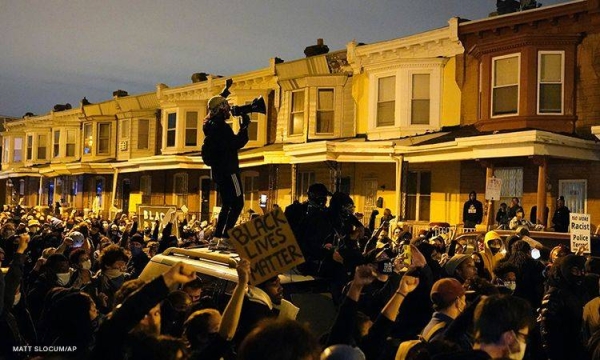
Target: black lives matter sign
269	244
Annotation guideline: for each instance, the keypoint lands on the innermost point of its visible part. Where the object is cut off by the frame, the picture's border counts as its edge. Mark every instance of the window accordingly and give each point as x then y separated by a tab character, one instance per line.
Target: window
22	187
191	128
125	129
56	144
171	129
29	147
180	189
386	101
303	181
253	127
41	147
88	139
575	194
297	113
505	85
418	196
6	149
143	133
420	101
325	111
512	183
71	140
146	189
550	82
18	150
103	138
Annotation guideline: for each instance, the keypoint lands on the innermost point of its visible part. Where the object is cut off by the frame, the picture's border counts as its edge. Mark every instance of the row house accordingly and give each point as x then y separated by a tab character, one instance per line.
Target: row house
411	124
530	84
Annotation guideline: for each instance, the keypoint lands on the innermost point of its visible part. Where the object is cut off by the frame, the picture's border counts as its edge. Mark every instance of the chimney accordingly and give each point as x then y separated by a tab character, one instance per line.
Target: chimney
199	77
120	93
318	49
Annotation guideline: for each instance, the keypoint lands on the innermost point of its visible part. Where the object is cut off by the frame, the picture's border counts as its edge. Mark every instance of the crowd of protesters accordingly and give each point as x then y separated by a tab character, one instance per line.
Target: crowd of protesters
69	289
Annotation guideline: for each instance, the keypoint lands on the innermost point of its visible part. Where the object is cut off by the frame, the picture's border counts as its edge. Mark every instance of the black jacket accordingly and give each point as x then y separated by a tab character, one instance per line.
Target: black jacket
224	145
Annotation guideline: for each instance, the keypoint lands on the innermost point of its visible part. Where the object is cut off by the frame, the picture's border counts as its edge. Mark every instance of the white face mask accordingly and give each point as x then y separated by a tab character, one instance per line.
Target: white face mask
519	355
17	298
113	273
63	278
86	264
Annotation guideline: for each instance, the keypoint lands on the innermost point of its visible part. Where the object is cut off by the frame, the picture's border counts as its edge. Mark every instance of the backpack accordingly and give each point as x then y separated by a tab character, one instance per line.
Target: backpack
208	155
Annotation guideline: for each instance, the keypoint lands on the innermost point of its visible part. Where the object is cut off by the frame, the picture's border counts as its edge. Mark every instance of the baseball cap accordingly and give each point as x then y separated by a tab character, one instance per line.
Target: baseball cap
445	291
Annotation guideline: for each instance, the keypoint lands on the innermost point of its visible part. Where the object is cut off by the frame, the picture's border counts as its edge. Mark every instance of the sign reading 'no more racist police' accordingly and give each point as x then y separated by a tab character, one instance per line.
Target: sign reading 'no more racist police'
269	244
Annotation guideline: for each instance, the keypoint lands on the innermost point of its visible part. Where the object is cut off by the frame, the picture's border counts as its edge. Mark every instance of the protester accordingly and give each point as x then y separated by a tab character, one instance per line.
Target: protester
472	211
561	217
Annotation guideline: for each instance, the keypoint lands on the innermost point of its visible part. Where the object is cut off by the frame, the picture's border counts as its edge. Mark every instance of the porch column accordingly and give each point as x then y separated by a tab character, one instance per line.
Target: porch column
114	193
540	215
488	218
40	191
399	160
293	185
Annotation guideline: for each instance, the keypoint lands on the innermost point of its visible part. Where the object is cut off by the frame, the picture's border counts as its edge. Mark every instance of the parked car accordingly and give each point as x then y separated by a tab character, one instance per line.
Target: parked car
219	276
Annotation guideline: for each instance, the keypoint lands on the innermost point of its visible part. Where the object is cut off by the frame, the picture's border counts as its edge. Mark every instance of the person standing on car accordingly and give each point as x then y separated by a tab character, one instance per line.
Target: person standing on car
224	163
472	211
561	217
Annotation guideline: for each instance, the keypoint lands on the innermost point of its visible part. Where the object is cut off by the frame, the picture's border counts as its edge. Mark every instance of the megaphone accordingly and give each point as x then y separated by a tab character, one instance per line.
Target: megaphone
257	105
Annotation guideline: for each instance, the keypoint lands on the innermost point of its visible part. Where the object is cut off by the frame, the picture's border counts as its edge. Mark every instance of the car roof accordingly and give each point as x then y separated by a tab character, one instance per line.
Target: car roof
214	263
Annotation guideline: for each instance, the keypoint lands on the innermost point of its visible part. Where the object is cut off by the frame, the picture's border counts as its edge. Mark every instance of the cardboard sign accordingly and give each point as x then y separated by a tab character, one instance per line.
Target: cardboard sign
493	188
579	227
269	244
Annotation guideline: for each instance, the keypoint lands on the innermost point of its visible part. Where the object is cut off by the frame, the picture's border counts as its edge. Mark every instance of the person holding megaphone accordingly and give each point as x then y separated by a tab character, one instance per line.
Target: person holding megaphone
220	152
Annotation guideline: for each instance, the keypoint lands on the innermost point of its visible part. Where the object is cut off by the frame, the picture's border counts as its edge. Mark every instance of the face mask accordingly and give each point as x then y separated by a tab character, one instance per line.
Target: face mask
494	250
136	251
63	278
86	264
519	355
17	298
113	273
511	285
122	228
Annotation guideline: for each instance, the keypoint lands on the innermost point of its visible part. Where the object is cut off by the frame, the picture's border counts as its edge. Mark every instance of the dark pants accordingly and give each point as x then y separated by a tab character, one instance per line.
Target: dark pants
229	187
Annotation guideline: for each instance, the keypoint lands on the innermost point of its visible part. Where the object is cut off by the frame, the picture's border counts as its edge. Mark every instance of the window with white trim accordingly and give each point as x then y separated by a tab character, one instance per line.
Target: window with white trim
505	85
72	141
6	150
56	144
551	82
418	196
103	138
29	147
88	140
420	99
18	149
171	129
325	112
386	101
125	129
191	128
296	126
143	134
180	189
41	147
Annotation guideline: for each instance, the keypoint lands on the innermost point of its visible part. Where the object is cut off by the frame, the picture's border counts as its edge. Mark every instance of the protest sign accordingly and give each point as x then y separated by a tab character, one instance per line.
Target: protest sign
579	227
493	188
269	244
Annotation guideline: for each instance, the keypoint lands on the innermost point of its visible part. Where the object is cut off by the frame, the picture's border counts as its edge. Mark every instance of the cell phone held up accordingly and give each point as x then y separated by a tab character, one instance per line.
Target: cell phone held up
385	266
